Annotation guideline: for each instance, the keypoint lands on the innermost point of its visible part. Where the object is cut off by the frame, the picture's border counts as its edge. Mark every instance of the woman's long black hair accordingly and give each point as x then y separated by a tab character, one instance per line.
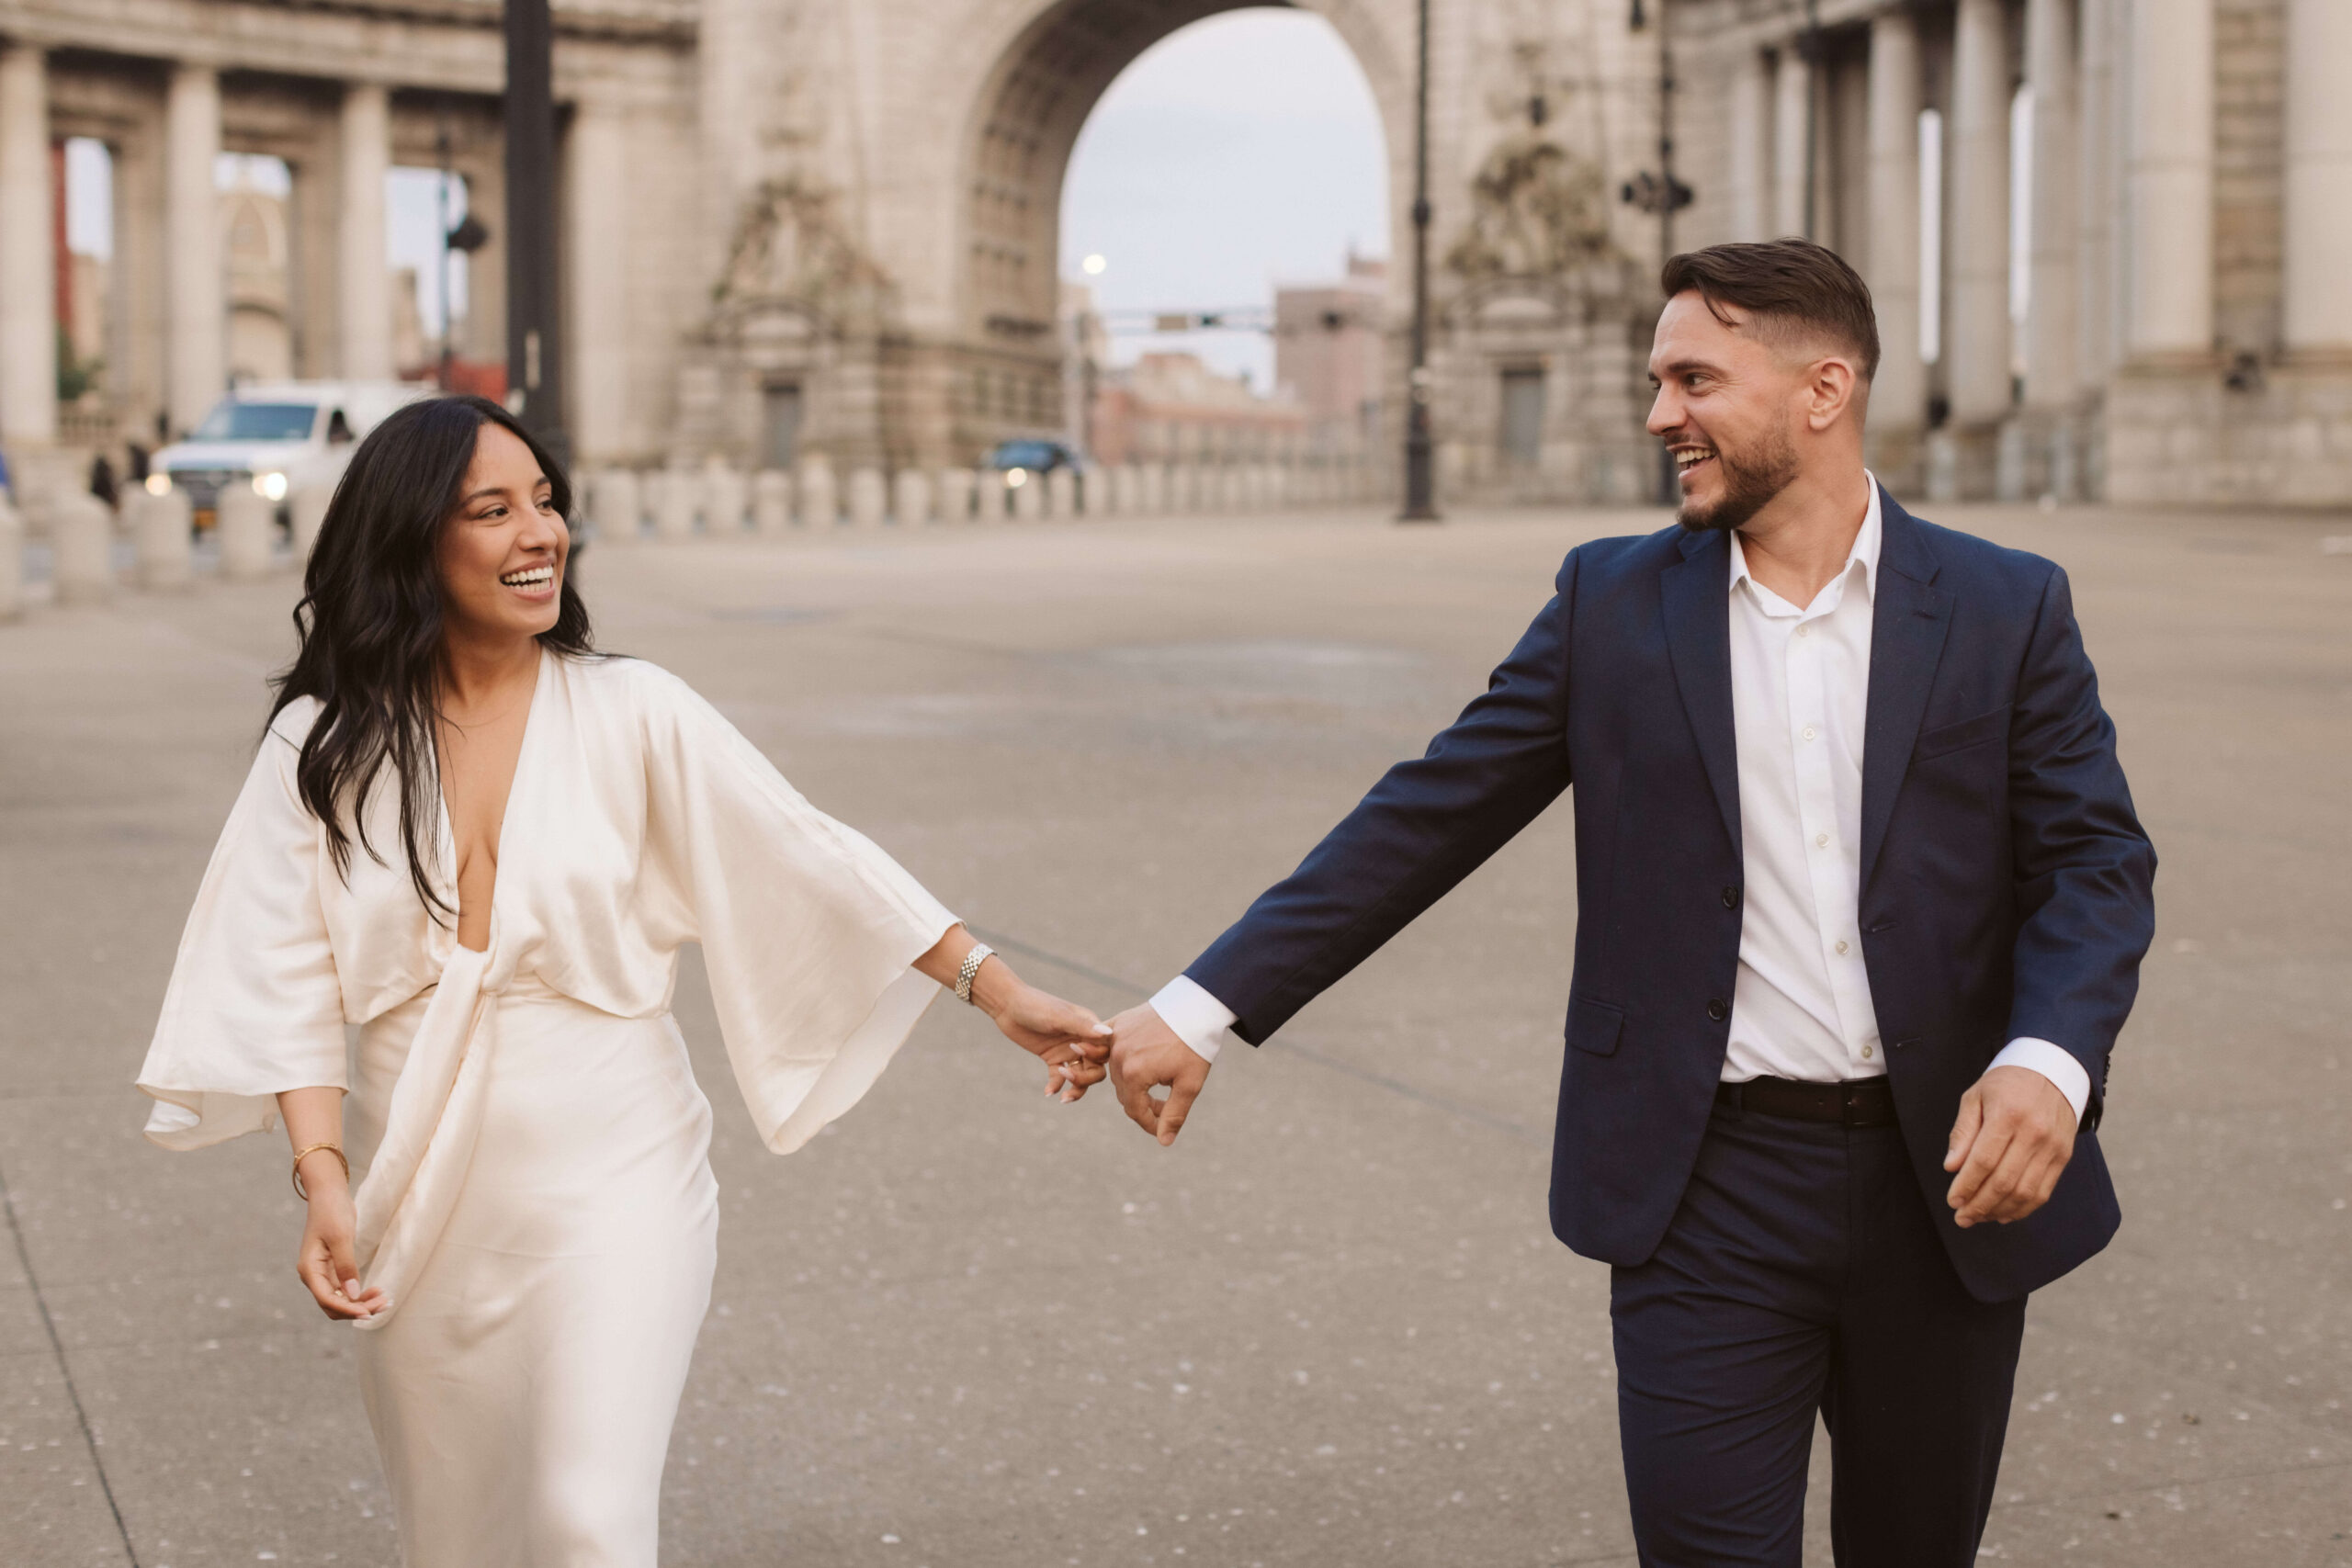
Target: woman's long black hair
370	625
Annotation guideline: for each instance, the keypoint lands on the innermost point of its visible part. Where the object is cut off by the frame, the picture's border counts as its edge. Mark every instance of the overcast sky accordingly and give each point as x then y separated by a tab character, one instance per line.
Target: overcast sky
1242	150
1238	153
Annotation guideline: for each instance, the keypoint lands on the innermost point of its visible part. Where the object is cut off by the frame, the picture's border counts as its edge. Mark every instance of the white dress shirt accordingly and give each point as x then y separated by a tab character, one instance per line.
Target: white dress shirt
1801	1004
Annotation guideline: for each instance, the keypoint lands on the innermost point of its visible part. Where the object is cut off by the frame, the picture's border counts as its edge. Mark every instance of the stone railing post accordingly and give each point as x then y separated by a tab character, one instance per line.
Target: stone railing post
1061	494
868	498
722	497
81	534
616	503
819	501
306	514
1029	498
772	501
1151	490
674	504
12	562
955	494
246	522
910	497
162	528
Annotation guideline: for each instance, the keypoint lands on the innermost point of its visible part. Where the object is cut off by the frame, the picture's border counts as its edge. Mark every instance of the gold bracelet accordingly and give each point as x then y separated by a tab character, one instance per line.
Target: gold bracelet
301	1155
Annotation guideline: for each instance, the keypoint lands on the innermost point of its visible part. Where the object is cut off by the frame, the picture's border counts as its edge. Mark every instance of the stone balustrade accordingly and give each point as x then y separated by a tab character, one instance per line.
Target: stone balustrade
677	504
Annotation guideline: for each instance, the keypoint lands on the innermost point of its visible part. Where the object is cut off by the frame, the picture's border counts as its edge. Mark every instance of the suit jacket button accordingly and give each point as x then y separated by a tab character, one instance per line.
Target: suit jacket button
1731	897
1717	1010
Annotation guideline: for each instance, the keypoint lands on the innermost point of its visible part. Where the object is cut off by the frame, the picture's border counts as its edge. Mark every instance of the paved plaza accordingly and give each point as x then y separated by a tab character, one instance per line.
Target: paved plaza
969	1328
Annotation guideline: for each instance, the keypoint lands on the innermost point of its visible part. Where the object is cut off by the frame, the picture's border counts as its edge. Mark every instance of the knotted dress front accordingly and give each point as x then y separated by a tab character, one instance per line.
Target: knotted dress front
535	1197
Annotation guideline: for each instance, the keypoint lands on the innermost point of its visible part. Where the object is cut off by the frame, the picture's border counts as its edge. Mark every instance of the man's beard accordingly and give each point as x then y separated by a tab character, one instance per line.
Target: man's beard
1750	482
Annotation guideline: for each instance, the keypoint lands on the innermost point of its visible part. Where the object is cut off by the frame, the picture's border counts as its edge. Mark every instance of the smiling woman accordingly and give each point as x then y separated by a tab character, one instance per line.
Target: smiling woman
531	1242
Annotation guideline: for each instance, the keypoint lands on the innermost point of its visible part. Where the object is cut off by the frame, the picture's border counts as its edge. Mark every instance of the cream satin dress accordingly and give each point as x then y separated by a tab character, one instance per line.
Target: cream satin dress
536	1200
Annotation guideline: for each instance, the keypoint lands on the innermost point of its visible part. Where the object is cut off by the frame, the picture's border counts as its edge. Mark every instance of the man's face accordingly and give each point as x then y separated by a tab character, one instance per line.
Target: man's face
1726	407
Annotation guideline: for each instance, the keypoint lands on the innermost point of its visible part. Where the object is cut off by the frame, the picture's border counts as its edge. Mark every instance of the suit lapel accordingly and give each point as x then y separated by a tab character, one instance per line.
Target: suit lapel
1909	619
1696	593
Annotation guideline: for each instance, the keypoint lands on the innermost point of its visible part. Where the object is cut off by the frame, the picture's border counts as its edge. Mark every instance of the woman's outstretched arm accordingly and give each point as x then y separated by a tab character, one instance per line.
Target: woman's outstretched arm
1073	1043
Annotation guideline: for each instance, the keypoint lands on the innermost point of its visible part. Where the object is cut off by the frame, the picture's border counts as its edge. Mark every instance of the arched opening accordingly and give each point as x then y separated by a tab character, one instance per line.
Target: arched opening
1007	377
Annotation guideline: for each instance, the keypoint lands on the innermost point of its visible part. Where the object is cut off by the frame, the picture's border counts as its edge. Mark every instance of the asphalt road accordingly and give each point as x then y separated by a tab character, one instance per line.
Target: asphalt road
969	1328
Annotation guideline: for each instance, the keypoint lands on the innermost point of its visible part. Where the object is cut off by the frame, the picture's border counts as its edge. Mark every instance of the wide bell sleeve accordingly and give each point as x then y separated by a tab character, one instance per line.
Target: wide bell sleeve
808	929
253	1006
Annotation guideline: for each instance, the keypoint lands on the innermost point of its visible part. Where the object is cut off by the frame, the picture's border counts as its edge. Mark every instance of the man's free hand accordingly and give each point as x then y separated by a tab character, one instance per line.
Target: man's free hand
1147	1055
2011	1143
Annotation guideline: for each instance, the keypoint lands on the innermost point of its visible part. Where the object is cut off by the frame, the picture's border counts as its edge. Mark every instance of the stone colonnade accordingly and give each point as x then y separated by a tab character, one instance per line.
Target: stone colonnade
2115	385
165	121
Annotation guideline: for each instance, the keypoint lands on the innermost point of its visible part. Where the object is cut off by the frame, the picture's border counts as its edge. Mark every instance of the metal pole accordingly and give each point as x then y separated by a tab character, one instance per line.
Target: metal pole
1809	47
1420	504
534	335
1669	487
441	204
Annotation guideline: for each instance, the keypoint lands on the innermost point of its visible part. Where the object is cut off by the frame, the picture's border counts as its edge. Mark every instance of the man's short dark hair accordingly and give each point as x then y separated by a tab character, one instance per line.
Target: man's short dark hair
1804	289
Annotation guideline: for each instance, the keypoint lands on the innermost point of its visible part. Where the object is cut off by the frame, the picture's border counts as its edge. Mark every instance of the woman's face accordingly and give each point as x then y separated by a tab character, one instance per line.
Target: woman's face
502	553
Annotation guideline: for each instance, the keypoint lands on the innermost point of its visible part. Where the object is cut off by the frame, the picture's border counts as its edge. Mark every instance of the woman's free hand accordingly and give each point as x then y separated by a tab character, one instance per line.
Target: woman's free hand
325	1263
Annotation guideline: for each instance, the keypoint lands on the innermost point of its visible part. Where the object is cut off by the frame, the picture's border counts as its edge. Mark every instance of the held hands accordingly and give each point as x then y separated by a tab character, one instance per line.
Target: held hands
1147	1055
325	1262
1070	1041
2015	1135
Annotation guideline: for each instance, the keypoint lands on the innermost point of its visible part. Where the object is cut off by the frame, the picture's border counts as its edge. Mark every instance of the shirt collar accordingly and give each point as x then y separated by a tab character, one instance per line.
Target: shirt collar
1864	553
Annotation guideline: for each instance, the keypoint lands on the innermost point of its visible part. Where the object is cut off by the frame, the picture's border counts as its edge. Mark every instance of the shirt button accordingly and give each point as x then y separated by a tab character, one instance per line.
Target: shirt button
1716	1009
1820	840
1866	1053
1802	630
1808	732
1841	950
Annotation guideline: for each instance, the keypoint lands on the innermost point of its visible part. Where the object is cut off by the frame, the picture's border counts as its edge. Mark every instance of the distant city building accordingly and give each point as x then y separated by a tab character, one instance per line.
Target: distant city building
1330	354
1170	407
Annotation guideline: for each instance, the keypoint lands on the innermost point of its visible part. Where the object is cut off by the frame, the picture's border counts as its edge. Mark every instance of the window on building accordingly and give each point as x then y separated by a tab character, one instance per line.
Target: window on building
780	413
1524	416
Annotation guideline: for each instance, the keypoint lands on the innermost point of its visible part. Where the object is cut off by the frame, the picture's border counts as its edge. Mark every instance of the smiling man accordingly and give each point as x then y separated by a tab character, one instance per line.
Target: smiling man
1861	904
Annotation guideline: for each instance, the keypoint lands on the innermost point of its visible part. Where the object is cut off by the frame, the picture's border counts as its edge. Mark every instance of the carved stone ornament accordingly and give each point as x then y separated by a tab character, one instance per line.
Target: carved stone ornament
1537	211
791	249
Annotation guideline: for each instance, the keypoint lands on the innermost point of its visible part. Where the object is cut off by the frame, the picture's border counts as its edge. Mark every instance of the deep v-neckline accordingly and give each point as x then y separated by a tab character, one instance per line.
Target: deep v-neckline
505	812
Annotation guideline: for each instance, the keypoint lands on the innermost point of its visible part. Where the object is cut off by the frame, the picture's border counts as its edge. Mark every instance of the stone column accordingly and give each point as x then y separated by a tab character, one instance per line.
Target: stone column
195	305
1976	345
2049	374
1792	104
2167	61
596	247
2319	177
1898	402
363	274
27	257
2095	291
1750	177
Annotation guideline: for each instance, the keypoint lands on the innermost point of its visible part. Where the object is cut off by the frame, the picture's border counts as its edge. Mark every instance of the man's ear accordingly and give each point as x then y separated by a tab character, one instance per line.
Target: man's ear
1833	392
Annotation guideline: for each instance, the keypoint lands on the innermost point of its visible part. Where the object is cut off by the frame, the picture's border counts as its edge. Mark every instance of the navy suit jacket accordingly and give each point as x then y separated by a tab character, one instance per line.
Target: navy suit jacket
2005	883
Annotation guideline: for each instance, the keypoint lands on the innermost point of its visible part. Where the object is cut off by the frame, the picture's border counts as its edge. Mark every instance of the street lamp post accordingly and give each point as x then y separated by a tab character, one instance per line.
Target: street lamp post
533	337
1421	503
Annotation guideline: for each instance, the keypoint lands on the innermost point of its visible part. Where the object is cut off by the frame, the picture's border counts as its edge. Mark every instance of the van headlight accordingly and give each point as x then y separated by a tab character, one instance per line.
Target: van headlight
1015	478
159	484
270	486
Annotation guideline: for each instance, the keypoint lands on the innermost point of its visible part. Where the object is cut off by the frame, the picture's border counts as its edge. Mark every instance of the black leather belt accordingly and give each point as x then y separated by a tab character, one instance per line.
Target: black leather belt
1860	1102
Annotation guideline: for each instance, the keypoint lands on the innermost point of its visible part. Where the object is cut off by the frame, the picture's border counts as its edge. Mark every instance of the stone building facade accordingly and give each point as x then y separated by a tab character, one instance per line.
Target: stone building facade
843	214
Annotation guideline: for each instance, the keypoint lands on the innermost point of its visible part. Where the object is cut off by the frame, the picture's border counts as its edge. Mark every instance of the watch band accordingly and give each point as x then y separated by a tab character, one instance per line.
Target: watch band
972	961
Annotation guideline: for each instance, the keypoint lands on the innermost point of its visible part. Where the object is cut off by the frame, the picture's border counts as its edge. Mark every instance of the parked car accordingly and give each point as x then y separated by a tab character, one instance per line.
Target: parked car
278	436
1033	455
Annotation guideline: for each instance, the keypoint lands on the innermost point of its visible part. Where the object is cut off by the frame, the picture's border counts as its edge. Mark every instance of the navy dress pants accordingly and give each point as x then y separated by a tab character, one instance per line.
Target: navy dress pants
1803	1273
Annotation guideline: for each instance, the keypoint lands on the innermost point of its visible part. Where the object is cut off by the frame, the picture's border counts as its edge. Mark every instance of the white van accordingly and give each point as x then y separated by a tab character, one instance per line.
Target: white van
279	436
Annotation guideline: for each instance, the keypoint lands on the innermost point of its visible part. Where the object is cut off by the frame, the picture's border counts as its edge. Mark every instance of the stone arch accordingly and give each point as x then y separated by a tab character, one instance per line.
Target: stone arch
1049	63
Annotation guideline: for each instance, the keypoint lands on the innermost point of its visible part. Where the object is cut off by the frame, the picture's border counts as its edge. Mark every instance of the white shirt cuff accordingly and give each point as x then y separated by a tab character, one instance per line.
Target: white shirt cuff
2052	1062
1199	1020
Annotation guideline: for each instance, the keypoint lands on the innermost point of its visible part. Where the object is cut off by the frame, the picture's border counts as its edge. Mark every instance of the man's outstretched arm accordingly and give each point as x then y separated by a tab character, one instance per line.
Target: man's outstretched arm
1424	826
